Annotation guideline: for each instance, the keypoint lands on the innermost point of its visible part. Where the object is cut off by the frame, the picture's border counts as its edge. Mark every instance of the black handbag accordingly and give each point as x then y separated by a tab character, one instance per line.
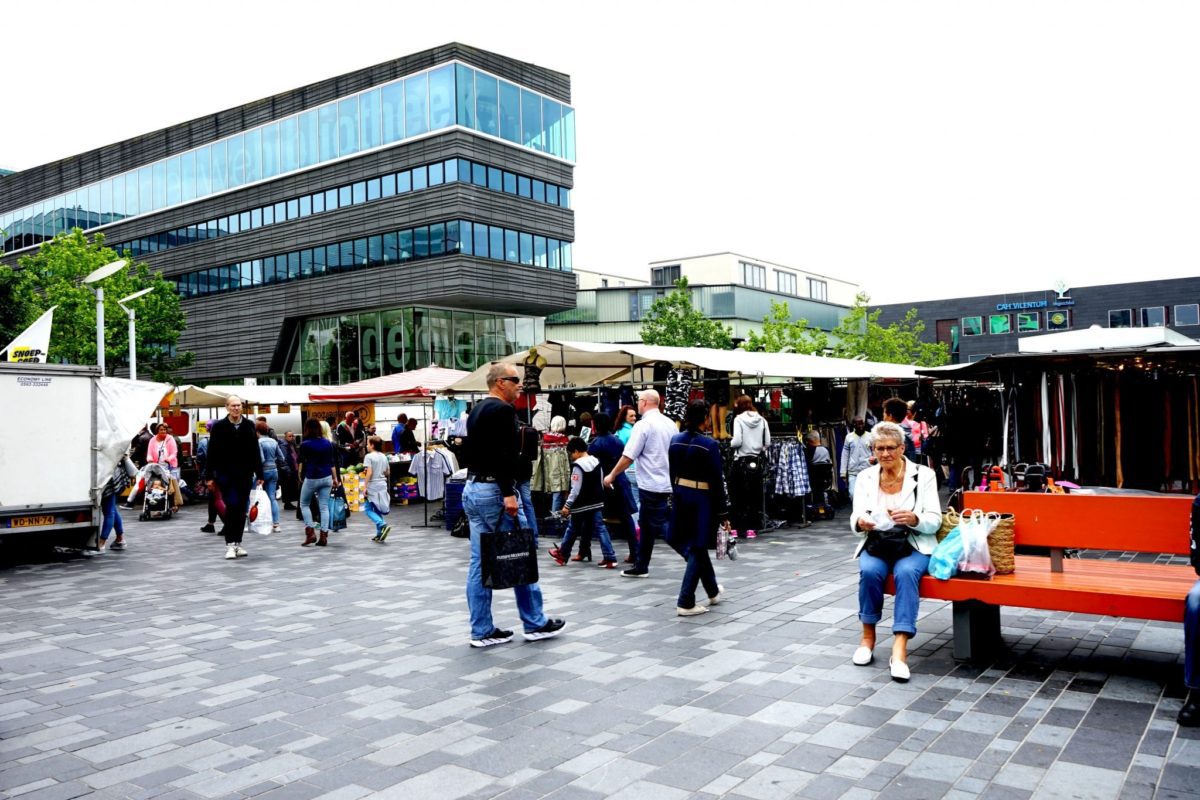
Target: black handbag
508	557
893	545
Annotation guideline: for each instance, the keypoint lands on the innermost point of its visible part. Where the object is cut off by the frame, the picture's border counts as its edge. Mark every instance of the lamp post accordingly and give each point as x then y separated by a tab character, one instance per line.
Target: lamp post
95	277
132	340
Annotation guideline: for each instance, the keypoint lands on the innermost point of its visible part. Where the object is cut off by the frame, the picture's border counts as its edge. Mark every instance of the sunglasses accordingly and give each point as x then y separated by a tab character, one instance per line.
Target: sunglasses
513	379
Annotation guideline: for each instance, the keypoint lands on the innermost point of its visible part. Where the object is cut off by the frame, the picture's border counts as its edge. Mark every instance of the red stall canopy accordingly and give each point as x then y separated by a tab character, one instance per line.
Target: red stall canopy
408	386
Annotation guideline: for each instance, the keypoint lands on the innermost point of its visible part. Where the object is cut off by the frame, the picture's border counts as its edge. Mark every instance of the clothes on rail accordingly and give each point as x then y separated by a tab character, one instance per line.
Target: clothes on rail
431	468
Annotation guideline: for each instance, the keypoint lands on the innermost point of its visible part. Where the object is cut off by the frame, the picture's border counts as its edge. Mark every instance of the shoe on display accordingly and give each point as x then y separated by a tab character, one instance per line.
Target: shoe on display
691	612
552	628
497	636
230	552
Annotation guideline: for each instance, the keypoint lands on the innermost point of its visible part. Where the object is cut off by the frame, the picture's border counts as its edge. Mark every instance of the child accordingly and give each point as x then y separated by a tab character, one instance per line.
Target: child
586	490
378	503
157	493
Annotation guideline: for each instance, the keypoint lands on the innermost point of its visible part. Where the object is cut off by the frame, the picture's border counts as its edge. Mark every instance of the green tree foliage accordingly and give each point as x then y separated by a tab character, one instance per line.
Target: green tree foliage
18	304
675	322
781	334
52	277
859	334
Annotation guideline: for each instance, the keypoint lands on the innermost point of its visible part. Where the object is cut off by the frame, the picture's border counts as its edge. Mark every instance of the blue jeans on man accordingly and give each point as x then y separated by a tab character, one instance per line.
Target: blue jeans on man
873	572
483	504
655	516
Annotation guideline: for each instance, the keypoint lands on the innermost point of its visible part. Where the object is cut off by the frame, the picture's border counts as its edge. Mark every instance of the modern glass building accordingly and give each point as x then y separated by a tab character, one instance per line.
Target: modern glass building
407	202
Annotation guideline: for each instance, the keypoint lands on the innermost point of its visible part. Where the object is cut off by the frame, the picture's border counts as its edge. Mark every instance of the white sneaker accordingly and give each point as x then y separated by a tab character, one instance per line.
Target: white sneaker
862	656
275	528
898	669
239	551
691	612
719	597
231	552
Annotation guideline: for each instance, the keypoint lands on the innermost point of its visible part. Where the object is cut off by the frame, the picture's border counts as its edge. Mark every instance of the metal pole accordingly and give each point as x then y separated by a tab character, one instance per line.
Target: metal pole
132	350
100	328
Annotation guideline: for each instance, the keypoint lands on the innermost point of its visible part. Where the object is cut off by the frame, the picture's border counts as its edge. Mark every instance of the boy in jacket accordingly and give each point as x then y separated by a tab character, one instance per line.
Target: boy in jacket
587	489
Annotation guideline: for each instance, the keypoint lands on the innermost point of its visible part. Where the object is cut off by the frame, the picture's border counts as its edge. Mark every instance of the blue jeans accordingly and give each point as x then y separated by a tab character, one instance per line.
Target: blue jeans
374	515
1191	638
583	525
872	572
656	509
525	498
112	518
484	506
270	482
557	501
321	487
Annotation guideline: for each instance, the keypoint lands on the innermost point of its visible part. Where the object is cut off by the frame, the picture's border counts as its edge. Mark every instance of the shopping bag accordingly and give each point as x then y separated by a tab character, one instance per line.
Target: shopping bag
722	542
944	561
338	510
509	557
976	558
260	512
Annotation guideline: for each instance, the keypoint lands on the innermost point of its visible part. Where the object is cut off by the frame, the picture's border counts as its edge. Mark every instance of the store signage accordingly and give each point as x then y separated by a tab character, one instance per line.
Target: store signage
1020	306
1062	295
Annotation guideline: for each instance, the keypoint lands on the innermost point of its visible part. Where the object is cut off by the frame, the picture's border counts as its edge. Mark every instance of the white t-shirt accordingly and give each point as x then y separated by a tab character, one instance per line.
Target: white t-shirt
648	446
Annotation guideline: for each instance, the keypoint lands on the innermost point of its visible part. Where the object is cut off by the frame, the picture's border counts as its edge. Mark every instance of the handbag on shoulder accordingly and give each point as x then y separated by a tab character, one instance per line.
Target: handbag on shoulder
508	557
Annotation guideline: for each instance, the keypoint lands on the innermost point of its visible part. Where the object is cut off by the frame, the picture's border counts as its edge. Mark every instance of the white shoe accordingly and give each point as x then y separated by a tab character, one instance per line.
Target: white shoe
691	612
275	528
719	597
239	551
898	669
863	656
231	552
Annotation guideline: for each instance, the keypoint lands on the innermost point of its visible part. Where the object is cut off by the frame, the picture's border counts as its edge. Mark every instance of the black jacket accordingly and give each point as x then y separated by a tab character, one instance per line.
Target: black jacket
1194	531
233	451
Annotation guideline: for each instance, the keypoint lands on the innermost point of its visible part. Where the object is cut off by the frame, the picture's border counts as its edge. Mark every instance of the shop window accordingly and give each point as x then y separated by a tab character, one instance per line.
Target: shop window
1058	320
1120	318
1188	314
1027	322
999	324
1153	317
972	326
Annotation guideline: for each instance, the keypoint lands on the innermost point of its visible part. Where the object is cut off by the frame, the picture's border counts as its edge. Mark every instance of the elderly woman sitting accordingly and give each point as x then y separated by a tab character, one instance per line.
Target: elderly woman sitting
897	514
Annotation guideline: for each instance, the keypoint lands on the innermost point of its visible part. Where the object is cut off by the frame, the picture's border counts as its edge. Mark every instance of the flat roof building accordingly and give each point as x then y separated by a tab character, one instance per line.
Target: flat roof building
413	212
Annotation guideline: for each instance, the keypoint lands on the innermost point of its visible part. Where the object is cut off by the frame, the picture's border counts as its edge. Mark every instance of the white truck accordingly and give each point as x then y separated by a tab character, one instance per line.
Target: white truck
63	429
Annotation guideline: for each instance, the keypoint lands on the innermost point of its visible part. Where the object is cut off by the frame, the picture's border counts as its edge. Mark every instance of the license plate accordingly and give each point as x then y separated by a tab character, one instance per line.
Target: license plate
31	522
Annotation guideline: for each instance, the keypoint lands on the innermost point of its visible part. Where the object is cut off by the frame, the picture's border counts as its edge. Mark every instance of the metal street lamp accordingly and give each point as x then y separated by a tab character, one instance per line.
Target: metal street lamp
132	340
98	275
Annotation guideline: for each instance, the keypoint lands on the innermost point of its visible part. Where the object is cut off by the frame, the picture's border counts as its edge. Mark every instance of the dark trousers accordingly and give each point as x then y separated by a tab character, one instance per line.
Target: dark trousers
235	491
746	493
692	521
289	488
655	523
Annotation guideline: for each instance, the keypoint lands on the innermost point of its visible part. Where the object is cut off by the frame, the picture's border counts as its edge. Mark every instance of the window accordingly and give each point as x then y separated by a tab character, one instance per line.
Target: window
818	289
1058	319
972	326
754	275
785	282
1120	318
1153	317
1188	314
1028	321
604	283
664	276
999	324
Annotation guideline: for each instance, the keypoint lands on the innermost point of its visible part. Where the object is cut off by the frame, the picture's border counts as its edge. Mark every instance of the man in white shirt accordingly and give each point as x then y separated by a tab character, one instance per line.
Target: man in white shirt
648	446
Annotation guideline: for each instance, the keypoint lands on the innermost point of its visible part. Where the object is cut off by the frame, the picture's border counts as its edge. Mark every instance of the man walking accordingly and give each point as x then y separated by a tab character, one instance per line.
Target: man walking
856	454
648	446
234	464
490	500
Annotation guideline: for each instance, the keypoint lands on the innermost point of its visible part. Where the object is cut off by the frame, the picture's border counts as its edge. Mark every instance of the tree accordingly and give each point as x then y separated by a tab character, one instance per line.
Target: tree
860	334
52	277
18	304
782	334
674	321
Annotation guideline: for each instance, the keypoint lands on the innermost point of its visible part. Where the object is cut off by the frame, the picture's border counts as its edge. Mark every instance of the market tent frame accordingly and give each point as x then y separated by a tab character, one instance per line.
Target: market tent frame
407	386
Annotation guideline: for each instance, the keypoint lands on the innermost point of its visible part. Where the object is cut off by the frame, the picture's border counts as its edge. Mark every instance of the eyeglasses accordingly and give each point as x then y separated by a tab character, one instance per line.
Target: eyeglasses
885	449
513	379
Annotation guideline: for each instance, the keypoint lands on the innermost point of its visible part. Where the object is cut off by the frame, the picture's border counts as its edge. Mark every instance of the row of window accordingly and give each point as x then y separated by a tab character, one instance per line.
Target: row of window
1059	319
410	180
438	98
427	241
755	275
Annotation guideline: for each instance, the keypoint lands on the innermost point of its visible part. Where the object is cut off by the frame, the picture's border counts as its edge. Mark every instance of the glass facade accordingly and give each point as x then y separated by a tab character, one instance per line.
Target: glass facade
439	98
337	350
384	186
426	241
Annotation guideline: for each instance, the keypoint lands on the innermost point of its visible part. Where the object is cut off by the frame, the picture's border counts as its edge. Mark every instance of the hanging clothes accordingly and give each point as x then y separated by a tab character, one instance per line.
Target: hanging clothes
791	470
552	473
431	468
679	387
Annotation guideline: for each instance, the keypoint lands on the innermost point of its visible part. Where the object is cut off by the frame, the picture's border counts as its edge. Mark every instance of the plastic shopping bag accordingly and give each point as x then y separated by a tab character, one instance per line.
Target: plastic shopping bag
976	559
338	509
260	513
944	561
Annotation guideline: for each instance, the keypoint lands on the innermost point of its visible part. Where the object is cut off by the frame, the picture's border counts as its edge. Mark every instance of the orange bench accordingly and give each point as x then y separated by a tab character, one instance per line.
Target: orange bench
1123	523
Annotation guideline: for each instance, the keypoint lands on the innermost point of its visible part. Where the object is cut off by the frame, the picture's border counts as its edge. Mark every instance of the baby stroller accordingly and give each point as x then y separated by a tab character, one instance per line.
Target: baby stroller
156	503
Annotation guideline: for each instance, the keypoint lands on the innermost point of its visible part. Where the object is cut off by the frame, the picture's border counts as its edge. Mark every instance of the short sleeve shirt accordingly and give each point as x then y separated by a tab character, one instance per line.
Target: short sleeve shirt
648	447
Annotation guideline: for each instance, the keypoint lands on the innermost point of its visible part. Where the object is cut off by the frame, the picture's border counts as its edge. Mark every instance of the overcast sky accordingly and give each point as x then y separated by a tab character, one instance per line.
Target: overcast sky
921	149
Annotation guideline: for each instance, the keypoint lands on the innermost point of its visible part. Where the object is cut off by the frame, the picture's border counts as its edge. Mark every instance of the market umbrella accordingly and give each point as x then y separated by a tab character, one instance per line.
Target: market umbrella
415	383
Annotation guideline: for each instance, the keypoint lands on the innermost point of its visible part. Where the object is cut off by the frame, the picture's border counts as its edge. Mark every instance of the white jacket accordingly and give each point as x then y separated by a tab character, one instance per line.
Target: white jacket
751	436
927	504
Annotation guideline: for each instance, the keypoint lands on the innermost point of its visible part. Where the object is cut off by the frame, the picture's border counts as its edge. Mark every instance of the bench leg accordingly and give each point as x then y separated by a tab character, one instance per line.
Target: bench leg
976	630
